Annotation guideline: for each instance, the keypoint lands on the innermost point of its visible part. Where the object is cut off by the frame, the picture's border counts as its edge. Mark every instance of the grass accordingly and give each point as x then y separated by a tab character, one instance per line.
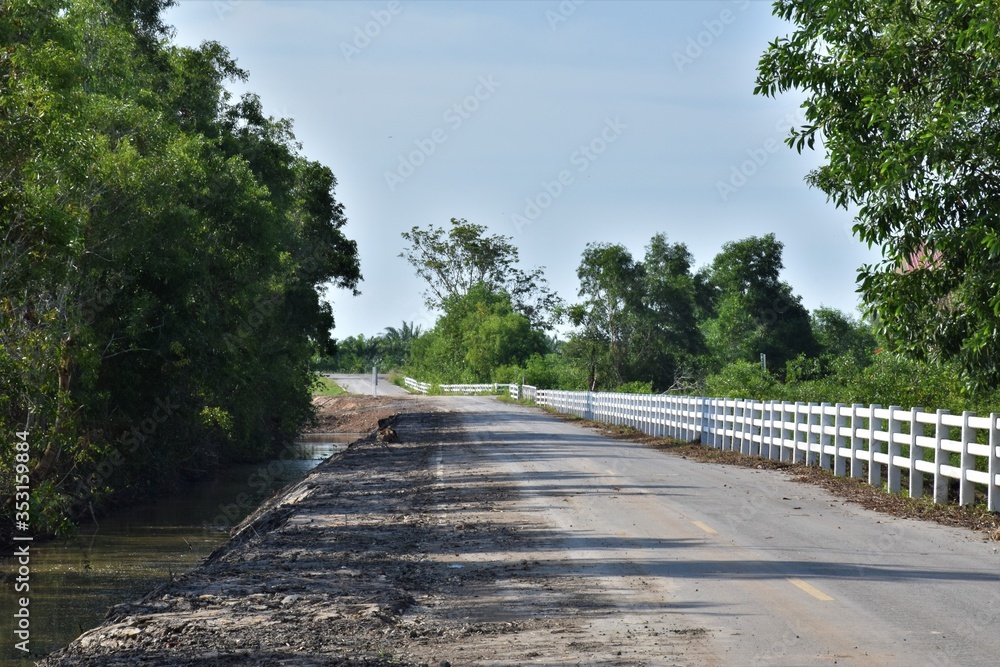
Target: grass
505	398
328	387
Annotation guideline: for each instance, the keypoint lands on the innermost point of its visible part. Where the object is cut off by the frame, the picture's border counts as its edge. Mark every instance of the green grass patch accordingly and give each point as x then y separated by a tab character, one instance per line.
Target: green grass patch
327	387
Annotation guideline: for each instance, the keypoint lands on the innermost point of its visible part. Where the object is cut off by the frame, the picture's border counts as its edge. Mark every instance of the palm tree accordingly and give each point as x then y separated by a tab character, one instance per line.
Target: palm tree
397	342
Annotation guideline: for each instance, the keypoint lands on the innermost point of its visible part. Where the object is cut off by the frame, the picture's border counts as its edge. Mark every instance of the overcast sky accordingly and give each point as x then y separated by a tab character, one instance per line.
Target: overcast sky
555	123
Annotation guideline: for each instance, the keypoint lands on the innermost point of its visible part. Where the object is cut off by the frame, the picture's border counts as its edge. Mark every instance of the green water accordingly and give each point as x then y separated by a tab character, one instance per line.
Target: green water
75	581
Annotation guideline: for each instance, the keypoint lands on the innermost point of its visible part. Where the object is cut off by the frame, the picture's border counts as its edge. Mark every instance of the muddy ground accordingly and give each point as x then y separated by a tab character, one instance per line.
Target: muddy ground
379	558
348	413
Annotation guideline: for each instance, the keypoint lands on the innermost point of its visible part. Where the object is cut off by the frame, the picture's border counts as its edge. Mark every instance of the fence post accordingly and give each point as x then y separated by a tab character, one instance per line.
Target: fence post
756	432
710	422
894	449
664	415
731	432
993	490
777	433
676	416
857	467
739	419
811	438
783	454
704	419
940	456
799	432
966	490
874	468
839	440
765	429
825	437
916	454
718	423
737	439
682	418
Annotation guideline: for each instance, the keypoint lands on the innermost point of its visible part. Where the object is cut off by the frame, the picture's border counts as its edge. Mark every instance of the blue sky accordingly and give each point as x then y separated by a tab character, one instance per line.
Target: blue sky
555	123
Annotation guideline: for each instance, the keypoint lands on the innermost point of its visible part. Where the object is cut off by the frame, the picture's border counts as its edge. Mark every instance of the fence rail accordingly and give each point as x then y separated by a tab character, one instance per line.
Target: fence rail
515	391
865	442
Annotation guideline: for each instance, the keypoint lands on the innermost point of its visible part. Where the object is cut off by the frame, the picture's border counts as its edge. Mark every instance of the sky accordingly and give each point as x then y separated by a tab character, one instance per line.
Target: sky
556	123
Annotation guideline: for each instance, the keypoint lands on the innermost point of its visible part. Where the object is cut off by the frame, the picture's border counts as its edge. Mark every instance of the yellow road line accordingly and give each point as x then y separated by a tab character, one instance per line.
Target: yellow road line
811	590
707	529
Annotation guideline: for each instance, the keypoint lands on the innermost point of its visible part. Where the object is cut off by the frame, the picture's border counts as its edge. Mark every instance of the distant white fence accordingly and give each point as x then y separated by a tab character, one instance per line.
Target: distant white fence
517	392
840	438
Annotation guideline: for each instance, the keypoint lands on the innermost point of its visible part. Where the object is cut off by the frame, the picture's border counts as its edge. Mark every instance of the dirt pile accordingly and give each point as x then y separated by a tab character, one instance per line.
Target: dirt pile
355	414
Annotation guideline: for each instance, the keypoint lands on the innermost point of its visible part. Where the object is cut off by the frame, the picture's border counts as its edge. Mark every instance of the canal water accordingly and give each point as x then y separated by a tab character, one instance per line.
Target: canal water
75	581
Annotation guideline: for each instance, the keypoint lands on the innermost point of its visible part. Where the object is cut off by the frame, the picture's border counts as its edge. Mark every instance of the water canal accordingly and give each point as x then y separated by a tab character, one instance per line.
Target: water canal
75	581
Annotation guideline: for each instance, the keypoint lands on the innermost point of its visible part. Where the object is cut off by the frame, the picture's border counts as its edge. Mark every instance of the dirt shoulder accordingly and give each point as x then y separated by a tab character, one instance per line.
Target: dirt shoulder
973	517
348	413
380	556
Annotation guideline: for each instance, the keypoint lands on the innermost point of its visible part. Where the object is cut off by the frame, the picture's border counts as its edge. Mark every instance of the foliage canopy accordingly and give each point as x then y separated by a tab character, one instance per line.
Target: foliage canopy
163	255
902	95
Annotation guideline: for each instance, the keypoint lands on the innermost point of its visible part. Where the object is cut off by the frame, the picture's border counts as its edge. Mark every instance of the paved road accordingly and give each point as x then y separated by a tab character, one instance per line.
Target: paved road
779	573
362	384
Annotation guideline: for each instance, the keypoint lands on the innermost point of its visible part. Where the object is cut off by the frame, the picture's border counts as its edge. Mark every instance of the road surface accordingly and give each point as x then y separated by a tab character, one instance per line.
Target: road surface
362	384
494	534
776	572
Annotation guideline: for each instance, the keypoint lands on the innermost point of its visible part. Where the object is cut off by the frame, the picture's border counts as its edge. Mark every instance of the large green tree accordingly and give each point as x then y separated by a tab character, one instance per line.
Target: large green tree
479	332
163	256
608	316
753	311
637	320
902	95
670	341
451	262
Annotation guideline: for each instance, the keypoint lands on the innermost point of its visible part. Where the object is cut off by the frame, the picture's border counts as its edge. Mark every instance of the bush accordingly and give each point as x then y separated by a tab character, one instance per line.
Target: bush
743	379
634	388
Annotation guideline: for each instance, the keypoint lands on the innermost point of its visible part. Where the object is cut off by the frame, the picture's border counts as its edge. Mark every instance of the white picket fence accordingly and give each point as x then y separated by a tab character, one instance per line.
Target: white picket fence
856	440
515	391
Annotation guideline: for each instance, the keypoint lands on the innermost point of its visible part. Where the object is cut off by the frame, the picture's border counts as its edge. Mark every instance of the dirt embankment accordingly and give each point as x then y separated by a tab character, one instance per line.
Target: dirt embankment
380	556
355	414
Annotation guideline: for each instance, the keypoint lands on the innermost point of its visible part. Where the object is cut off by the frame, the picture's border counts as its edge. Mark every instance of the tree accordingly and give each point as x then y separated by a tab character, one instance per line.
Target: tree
842	336
479	332
396	343
611	285
669	335
903	97
637	321
754	312
452	262
161	246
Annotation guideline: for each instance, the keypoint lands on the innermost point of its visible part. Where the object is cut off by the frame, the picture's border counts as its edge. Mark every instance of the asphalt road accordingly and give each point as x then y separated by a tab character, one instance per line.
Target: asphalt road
776	572
362	384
